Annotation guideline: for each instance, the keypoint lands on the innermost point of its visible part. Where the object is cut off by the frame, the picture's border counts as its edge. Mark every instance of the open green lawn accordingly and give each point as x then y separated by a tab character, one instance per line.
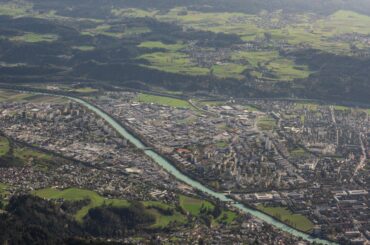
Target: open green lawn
341	108
226	217
298	152
193	205
4	146
161	100
298	221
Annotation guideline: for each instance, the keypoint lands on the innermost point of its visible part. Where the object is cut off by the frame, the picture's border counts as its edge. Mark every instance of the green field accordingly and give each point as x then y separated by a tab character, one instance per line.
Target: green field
161	100
222	144
132	13
173	62
4	146
341	108
166	220
41	161
121	32
189	204
6	96
9	96
102	29
3	189
34	38
13	9
193	205
74	194
226	217
269	65
228	70
266	123
317	32
298	152
156	44
298	221
27	153
21	155
306	105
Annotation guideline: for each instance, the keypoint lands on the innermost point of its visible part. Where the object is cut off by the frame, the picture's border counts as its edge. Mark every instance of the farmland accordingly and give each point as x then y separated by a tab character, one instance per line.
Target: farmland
9	96
34	38
161	100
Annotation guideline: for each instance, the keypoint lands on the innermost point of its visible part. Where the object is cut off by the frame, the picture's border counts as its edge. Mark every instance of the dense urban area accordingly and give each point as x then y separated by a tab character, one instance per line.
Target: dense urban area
58	150
304	163
185	122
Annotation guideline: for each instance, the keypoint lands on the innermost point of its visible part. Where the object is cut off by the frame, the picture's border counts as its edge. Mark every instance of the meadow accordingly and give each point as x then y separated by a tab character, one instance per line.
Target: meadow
10	96
34	38
193	205
75	194
156	208
173	62
266	123
162	100
4	146
297	221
